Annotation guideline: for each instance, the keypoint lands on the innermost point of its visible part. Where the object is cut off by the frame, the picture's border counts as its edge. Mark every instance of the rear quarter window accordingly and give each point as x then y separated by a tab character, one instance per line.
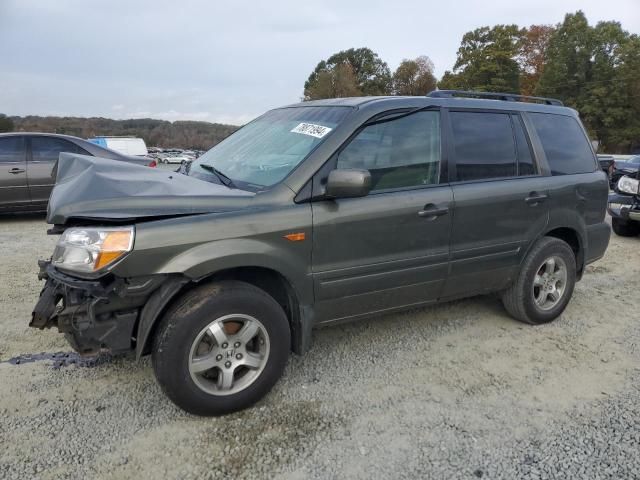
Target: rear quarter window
564	143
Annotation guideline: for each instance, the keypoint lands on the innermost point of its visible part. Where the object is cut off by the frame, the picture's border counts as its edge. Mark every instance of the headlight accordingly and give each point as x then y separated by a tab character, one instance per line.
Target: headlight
628	185
89	250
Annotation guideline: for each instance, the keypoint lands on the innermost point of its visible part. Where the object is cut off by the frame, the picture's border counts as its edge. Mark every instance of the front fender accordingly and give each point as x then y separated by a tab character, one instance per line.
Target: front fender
291	260
207	259
199	246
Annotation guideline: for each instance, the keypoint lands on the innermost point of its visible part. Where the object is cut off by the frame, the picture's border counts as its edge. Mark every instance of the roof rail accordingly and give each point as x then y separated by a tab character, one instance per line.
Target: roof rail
508	97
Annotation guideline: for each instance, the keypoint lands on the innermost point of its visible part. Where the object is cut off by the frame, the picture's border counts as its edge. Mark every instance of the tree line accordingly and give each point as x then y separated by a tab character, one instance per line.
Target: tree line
158	133
594	69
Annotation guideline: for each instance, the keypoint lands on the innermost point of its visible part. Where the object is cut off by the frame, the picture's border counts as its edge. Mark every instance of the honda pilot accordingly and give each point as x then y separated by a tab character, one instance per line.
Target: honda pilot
315	214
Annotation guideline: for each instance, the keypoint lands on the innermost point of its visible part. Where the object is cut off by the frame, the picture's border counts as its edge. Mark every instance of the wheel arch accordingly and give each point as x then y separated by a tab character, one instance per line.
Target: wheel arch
572	238
270	280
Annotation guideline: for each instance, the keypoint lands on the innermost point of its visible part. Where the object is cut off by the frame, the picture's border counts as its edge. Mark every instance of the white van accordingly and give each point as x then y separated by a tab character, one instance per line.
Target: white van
126	145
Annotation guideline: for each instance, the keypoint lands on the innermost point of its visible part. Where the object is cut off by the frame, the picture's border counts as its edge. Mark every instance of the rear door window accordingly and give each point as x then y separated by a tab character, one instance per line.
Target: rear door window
484	145
564	143
11	149
47	149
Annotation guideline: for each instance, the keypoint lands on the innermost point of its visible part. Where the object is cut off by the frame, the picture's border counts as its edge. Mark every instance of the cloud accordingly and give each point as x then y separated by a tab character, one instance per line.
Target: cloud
226	61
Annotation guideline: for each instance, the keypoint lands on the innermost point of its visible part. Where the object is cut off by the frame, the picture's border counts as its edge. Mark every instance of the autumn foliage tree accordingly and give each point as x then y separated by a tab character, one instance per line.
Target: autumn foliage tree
487	61
533	56
628	80
594	69
414	77
352	72
337	82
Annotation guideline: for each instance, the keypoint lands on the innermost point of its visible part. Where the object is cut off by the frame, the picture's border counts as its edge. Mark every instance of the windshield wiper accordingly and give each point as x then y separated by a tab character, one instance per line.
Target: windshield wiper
221	176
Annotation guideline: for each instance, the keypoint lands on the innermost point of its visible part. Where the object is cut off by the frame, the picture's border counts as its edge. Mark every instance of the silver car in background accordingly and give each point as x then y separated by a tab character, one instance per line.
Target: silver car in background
27	162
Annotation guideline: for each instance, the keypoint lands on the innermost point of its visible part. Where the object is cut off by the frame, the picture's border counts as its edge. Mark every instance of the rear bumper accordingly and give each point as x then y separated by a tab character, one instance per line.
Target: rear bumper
93	314
598	236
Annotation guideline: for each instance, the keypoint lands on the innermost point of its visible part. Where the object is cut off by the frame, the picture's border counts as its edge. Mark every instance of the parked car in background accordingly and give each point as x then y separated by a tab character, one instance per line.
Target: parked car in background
624	205
27	163
606	163
315	214
125	145
624	167
176	159
173	155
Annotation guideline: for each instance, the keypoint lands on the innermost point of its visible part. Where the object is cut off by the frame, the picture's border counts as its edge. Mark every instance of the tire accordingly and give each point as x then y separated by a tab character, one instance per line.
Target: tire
520	299
190	362
625	228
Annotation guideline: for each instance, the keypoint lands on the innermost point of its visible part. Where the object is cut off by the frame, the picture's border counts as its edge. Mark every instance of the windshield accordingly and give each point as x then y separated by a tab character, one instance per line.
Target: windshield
264	151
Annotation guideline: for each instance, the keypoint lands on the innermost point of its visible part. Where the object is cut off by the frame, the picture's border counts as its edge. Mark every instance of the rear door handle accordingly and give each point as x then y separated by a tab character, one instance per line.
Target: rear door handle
431	211
17	170
535	198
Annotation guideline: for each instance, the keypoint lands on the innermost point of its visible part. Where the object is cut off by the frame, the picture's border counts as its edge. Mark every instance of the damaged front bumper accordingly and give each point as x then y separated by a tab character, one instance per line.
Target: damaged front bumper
625	207
93	314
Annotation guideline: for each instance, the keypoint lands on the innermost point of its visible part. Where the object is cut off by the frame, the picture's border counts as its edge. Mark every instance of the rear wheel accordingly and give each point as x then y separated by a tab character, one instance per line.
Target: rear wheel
221	348
545	283
625	228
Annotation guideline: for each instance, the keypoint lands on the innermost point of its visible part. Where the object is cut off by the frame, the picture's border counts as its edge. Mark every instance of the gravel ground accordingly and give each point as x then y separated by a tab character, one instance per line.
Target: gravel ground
452	391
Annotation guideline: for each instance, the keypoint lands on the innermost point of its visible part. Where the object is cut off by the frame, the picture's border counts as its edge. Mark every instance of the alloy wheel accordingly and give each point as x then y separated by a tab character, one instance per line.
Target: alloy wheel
229	354
549	283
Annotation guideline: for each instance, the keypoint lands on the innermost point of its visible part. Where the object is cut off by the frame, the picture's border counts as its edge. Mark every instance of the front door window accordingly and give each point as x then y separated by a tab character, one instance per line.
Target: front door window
399	153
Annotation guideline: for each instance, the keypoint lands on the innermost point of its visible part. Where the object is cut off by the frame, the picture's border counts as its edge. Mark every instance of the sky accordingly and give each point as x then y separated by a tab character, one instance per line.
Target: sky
228	61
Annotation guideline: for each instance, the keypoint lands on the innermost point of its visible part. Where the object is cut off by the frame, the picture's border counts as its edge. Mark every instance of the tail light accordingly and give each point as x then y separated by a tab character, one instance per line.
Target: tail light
152	164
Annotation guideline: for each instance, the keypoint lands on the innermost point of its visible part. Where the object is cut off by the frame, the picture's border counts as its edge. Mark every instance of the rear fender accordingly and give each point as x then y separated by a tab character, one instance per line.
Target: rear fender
566	219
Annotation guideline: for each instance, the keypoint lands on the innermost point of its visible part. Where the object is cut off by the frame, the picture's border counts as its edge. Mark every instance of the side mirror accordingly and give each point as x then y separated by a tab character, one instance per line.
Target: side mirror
347	183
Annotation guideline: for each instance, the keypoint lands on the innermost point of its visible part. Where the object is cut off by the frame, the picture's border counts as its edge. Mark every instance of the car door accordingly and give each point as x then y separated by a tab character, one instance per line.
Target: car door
43	155
14	191
500	195
390	248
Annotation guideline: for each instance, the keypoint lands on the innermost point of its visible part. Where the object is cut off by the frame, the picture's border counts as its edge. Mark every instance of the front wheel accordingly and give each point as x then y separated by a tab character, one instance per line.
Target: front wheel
221	348
545	283
625	228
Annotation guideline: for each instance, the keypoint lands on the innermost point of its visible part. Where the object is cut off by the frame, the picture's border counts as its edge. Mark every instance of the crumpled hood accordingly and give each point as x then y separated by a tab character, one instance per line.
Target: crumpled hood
97	188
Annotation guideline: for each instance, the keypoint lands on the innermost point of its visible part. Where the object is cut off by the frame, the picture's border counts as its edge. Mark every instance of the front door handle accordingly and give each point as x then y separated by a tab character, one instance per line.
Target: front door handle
431	211
535	198
17	170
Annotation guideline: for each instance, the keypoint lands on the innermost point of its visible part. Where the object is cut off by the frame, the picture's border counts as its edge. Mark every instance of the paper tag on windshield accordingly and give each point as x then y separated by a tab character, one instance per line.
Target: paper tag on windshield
311	129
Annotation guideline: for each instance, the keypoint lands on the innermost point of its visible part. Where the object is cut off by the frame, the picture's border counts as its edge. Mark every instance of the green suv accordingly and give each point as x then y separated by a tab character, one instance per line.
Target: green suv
314	214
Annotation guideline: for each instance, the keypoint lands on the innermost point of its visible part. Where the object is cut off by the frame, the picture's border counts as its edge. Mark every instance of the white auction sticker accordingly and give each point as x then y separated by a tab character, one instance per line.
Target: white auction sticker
317	131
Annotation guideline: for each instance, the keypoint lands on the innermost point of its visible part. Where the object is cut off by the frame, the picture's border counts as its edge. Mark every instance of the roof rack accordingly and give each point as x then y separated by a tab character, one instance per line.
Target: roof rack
507	97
